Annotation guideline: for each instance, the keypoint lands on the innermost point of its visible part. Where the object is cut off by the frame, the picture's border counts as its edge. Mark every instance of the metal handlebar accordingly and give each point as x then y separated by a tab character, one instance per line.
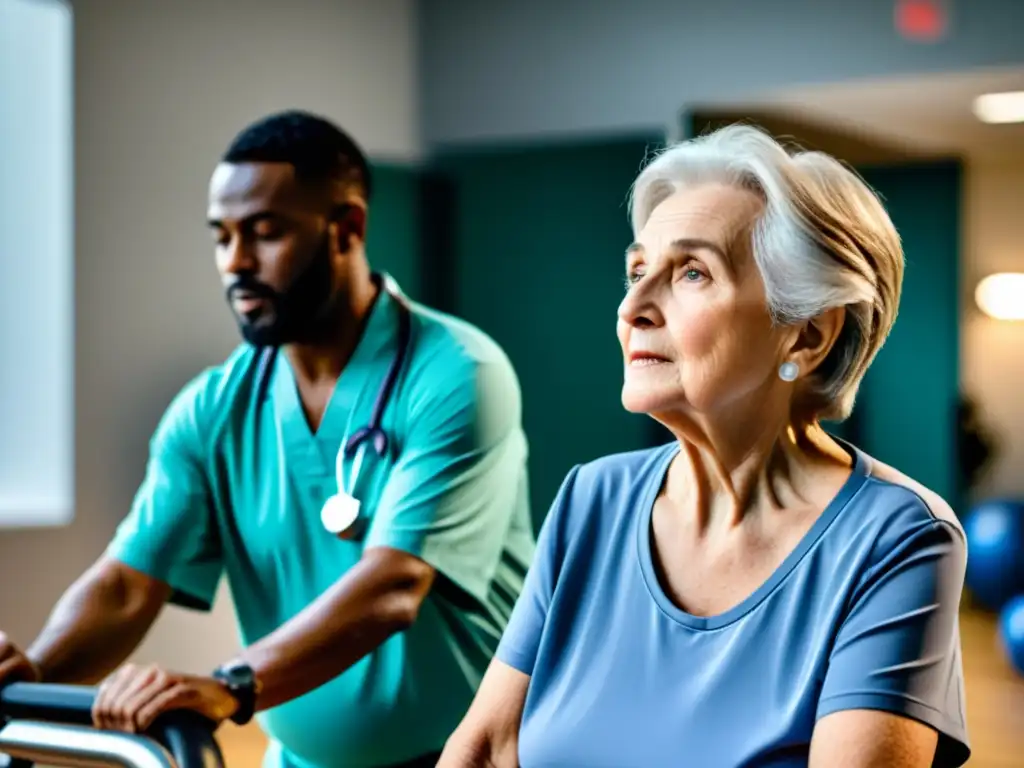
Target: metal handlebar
75	745
180	739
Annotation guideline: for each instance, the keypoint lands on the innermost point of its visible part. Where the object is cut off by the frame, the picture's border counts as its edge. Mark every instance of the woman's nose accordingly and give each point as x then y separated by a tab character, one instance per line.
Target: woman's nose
639	306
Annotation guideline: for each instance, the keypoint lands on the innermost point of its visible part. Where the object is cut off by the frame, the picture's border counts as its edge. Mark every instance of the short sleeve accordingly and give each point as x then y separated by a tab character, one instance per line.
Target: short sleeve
460	477
898	649
170	533
521	639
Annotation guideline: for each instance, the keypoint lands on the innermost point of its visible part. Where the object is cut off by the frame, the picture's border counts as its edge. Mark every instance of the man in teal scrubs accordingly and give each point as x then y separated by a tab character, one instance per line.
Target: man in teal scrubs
372	577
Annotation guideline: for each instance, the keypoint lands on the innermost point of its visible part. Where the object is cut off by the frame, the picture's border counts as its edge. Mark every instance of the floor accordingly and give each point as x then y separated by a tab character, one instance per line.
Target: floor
242	747
995	706
995	697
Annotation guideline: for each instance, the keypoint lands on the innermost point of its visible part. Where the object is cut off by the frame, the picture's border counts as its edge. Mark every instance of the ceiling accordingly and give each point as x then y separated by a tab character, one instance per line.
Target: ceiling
925	115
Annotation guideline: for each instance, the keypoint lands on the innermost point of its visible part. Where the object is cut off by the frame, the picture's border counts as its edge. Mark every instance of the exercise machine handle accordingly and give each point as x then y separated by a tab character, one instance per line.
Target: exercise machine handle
186	735
29	743
69	704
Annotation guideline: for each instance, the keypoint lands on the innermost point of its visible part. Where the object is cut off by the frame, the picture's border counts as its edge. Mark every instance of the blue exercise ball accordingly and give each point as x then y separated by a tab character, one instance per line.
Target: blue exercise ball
1011	632
995	551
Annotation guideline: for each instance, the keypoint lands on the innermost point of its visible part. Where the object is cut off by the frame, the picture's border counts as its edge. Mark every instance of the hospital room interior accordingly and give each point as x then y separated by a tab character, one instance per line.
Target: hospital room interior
503	140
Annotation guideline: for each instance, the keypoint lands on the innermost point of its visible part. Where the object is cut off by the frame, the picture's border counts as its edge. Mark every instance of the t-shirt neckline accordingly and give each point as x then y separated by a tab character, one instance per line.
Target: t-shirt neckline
849	489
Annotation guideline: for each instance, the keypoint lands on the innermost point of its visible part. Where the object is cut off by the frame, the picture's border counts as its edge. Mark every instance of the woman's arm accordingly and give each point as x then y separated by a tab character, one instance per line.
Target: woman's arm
861	738
893	691
488	736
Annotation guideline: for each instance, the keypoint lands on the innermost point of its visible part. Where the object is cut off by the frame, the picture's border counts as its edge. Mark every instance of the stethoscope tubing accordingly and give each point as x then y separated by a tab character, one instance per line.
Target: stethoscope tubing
373	432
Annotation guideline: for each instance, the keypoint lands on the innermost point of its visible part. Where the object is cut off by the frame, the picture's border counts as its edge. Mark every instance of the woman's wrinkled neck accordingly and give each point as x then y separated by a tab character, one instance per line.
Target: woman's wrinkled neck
728	469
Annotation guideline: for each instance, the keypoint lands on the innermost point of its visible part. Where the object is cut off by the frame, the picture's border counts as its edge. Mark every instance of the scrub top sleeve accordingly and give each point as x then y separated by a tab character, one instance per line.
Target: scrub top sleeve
898	649
451	495
170	533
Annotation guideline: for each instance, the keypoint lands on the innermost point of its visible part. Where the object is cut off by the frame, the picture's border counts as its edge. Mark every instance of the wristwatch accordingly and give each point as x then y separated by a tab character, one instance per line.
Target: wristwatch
240	680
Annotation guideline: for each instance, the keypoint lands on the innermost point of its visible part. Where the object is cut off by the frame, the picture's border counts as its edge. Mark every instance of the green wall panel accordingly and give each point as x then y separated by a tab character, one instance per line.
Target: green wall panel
537	239
906	411
393	241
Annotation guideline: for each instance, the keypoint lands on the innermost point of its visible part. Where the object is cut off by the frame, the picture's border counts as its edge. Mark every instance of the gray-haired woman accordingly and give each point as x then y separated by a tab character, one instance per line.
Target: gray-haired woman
756	593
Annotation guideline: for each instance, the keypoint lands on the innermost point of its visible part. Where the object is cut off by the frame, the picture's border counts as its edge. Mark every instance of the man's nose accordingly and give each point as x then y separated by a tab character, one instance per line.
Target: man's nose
236	256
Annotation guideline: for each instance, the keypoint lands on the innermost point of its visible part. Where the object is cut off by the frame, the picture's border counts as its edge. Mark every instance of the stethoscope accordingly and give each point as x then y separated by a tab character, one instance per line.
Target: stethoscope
341	511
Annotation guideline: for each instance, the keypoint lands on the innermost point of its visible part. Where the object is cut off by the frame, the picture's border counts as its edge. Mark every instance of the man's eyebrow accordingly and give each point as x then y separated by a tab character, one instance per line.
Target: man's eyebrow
252	218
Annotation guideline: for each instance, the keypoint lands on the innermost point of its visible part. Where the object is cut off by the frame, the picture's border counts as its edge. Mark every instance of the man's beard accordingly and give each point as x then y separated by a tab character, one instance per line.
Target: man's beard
295	316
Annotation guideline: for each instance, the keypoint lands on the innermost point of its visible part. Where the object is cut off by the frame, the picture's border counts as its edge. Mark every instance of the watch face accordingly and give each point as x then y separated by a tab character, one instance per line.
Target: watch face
237	674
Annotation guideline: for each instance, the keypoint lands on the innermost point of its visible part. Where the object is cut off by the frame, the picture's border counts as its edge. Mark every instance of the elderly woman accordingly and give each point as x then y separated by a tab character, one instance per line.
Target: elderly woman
757	592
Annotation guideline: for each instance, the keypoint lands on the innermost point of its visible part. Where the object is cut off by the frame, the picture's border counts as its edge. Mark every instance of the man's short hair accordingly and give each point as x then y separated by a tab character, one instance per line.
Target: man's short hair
320	151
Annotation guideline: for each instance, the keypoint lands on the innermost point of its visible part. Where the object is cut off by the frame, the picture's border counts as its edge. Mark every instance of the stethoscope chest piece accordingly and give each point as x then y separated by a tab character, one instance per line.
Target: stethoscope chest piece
340	513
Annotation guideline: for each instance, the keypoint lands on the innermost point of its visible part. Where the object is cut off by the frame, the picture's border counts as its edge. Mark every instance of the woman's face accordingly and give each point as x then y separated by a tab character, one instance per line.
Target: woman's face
694	326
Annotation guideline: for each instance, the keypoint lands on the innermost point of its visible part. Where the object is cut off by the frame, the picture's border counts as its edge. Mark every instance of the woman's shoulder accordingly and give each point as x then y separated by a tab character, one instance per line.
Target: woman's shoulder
597	493
620	478
907	501
626	468
893	516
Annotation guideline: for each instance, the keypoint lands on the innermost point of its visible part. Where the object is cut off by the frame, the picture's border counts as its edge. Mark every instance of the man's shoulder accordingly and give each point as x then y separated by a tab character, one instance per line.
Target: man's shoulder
214	391
454	357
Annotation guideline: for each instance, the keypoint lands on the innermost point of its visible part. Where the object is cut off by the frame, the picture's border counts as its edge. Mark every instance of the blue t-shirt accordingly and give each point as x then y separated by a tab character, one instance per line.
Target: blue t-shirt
863	614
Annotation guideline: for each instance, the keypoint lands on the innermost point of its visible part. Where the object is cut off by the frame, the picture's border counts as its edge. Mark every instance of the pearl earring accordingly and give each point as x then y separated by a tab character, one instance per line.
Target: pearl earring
789	371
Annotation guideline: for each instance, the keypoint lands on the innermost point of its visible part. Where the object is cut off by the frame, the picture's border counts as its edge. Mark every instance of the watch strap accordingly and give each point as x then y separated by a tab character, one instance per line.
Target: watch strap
240	681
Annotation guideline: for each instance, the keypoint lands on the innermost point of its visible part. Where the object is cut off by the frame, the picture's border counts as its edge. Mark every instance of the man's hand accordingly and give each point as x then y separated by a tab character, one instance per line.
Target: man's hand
133	697
15	665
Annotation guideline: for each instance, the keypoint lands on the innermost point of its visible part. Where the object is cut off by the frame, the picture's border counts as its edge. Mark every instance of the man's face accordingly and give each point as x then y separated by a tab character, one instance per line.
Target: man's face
274	250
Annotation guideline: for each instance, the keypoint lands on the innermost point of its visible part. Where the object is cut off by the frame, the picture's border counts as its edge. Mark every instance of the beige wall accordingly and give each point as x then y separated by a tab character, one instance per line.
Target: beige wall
161	88
992	353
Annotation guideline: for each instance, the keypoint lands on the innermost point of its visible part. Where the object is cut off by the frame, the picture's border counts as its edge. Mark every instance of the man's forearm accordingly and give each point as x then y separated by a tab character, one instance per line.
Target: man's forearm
350	620
93	628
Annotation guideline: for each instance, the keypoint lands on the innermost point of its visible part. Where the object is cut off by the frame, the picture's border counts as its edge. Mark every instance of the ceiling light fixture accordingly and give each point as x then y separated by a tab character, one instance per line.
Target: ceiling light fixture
1002	295
1005	107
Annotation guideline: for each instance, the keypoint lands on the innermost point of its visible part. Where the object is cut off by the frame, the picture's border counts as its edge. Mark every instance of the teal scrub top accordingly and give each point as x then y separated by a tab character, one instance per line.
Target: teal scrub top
234	487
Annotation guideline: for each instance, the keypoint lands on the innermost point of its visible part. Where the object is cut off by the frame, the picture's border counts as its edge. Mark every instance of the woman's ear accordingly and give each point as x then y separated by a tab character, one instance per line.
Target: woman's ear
815	339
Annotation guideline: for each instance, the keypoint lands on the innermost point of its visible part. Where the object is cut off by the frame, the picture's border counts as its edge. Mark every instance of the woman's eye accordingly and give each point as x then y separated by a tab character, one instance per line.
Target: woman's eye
693	275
